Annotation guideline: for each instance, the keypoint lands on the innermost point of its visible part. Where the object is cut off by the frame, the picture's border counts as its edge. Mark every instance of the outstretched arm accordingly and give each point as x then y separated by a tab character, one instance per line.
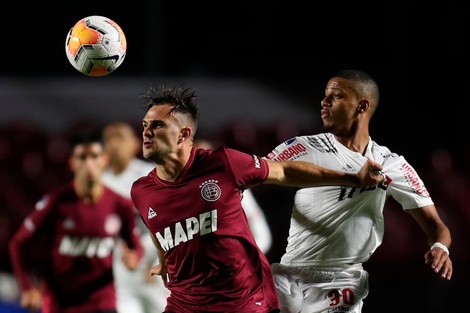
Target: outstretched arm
305	174
439	239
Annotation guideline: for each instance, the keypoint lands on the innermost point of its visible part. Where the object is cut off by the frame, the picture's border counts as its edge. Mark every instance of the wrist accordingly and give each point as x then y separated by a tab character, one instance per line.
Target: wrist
440	245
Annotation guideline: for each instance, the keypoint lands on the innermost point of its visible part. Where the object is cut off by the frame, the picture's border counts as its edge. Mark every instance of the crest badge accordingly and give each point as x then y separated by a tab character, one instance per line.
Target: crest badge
210	190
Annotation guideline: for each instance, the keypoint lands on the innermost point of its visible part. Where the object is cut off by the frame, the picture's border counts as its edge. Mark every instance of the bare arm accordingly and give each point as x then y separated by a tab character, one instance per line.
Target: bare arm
305	174
436	231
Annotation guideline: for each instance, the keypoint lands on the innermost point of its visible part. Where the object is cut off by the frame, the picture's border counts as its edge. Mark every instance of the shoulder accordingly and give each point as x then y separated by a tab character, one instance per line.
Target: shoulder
381	152
114	197
218	153
300	146
60	192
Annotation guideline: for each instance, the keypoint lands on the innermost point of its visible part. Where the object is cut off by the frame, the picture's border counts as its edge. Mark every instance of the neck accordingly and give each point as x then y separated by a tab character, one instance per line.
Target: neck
88	192
356	142
118	167
173	165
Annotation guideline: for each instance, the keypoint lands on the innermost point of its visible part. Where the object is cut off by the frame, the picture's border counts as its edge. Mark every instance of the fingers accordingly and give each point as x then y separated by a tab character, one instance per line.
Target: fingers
32	300
374	166
159	270
156	270
440	262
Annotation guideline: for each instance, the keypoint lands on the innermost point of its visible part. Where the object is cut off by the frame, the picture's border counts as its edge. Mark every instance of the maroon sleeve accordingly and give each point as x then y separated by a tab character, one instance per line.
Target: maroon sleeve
248	169
25	233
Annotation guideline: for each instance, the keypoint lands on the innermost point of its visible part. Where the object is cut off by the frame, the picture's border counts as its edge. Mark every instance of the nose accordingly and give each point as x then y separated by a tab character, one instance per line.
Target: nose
146	132
325	103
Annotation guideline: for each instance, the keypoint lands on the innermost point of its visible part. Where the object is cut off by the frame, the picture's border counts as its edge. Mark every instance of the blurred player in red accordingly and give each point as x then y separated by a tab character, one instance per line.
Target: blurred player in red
191	203
82	221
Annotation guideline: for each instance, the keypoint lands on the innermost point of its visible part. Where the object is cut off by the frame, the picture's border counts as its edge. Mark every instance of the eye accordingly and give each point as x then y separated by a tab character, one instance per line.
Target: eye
157	124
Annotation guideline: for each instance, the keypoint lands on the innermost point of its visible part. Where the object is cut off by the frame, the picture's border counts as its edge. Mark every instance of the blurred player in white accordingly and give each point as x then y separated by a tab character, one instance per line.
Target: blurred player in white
334	229
256	218
137	291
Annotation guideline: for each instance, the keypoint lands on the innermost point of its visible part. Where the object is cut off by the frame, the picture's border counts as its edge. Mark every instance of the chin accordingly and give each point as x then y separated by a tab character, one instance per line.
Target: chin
326	127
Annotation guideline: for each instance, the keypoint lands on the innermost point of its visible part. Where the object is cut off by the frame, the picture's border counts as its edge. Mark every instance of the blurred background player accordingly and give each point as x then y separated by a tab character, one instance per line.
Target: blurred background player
80	223
256	218
137	290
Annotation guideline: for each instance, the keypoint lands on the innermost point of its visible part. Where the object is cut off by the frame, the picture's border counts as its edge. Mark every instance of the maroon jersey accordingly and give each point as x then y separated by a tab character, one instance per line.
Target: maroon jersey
213	261
81	238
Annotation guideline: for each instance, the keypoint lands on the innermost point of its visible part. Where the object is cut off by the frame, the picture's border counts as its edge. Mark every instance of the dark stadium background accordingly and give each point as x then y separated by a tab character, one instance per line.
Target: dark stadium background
264	64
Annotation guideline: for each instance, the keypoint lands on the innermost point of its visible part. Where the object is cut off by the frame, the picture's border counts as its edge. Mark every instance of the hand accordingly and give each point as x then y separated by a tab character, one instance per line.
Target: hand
440	262
370	174
162	271
32	300
130	257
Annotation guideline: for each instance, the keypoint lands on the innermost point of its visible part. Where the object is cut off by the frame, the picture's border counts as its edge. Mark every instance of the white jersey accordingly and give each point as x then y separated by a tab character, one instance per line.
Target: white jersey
122	182
342	224
258	224
137	291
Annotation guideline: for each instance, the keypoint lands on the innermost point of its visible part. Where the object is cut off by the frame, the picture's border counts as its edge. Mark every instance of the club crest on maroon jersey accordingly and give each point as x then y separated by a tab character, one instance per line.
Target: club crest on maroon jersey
210	191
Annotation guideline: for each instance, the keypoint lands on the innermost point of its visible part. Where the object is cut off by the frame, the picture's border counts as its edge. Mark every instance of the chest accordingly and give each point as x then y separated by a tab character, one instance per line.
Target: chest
200	200
76	218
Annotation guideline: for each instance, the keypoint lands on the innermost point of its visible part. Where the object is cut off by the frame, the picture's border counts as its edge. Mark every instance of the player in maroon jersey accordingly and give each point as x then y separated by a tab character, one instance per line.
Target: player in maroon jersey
81	221
191	203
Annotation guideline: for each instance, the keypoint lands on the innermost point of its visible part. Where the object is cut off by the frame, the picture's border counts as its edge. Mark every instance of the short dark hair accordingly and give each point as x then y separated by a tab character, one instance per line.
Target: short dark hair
364	84
183	100
86	136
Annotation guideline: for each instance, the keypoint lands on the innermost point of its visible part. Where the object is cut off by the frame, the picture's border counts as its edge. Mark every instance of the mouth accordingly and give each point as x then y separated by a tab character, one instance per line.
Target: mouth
324	114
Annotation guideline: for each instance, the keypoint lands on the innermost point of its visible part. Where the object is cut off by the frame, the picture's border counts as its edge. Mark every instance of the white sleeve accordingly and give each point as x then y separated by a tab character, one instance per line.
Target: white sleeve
257	220
406	187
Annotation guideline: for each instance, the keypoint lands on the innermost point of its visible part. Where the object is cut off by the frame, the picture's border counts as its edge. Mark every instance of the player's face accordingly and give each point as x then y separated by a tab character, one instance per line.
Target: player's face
339	107
161	134
121	144
88	162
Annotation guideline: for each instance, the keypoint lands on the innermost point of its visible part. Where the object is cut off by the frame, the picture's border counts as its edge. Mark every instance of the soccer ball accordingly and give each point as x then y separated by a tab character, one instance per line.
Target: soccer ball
95	46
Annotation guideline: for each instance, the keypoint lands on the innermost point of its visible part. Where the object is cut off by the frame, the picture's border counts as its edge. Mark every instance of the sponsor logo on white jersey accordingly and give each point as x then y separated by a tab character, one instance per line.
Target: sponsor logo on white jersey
414	181
348	168
151	213
210	190
291	152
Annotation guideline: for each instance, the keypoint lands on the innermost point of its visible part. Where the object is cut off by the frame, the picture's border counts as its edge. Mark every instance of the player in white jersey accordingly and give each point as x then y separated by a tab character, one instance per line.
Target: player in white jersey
137	290
334	229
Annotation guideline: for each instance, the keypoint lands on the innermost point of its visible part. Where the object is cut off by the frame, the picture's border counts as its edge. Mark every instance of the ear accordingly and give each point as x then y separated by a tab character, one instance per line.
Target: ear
364	105
71	164
105	159
185	134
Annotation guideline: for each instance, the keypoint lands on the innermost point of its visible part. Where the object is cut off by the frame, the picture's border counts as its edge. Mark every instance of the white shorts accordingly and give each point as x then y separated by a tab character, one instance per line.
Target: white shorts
321	289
